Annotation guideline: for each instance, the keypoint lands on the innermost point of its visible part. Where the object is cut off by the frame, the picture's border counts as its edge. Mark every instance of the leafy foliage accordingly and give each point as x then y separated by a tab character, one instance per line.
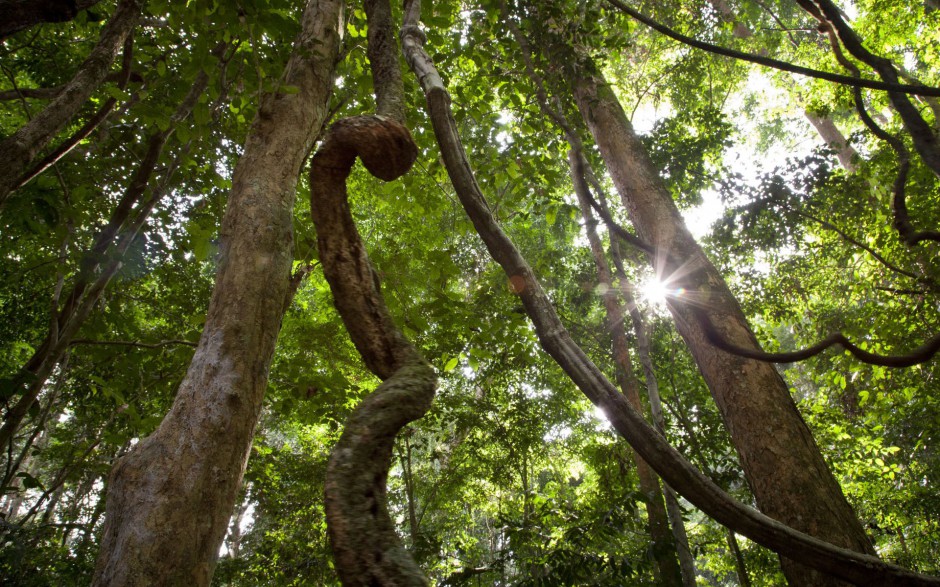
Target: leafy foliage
513	478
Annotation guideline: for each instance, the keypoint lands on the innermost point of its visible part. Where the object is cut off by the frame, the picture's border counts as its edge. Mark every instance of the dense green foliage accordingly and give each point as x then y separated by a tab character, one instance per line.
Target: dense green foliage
512	478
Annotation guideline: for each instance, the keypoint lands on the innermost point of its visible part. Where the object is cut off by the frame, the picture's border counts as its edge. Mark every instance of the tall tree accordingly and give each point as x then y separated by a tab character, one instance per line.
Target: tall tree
512	476
553	336
663	542
784	465
170	499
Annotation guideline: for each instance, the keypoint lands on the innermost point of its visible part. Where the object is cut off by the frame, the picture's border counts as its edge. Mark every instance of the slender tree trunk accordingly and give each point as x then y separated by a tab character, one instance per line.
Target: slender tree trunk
94	276
410	494
925	142
834	138
52	504
861	569
20	149
88	532
170	499
234	540
824	125
739	566
686	561
663	542
781	460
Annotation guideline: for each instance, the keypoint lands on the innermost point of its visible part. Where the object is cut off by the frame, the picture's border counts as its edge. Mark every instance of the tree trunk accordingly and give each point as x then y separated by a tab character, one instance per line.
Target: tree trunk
925	142
834	138
19	150
686	561
98	266
739	566
783	465
234	539
861	569
410	493
663	543
170	499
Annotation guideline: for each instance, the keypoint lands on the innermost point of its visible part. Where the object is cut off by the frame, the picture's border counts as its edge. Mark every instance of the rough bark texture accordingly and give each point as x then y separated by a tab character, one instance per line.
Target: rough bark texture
384	61
783	465
20	149
19	15
663	543
366	546
170	499
675	469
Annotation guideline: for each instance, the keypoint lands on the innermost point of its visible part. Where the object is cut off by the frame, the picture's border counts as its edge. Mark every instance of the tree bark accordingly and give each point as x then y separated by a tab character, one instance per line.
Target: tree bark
834	139
99	265
783	465
170	499
862	569
20	149
663	543
366	546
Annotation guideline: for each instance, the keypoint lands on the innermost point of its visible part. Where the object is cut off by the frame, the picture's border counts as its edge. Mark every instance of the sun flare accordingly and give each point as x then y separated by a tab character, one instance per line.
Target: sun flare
655	291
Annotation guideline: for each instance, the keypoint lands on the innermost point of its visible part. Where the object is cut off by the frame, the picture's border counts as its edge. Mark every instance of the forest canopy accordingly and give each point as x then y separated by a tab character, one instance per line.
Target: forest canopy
506	292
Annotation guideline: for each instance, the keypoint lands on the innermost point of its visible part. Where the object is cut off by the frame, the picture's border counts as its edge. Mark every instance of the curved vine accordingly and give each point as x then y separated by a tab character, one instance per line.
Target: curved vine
366	548
860	569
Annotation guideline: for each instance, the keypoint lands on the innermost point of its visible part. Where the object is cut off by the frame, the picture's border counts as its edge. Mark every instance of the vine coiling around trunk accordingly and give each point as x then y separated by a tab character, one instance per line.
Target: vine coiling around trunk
366	547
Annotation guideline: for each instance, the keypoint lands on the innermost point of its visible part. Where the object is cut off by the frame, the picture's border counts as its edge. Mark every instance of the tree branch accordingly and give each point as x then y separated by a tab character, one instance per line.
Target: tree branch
554	338
921	354
919	90
90	125
925	142
133	343
18	150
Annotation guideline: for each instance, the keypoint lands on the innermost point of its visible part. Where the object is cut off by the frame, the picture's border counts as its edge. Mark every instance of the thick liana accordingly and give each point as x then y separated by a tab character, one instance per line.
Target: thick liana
366	547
